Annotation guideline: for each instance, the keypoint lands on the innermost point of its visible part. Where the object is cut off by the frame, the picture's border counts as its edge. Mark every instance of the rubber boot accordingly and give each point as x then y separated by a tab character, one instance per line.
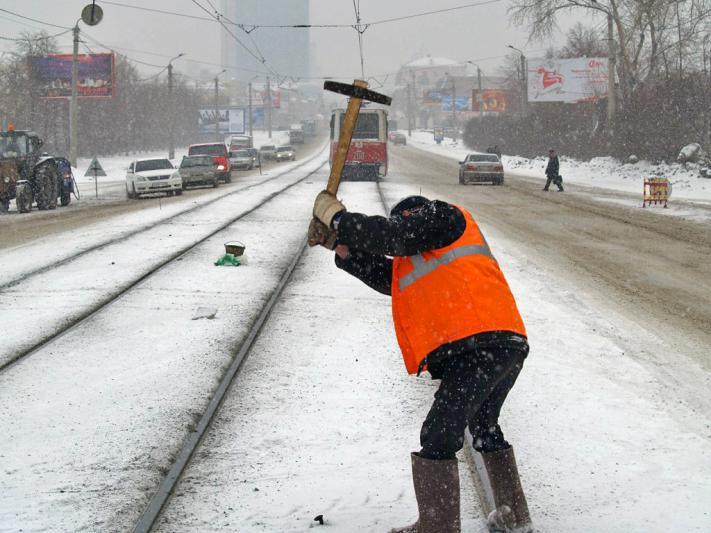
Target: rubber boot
437	492
511	512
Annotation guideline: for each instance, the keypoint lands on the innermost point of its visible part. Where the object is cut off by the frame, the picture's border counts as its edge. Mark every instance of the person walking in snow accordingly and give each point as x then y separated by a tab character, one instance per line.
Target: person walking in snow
553	171
455	317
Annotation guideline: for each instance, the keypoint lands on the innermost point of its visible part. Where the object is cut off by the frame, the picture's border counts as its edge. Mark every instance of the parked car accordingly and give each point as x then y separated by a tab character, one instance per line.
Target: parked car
285	153
398	138
481	167
266	152
145	176
242	160
198	170
218	151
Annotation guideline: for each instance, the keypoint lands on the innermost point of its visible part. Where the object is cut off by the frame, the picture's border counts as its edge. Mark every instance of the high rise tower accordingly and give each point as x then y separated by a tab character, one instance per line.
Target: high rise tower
285	50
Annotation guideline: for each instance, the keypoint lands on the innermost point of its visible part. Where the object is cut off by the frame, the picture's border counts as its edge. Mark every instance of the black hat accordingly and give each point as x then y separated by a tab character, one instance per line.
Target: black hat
409	202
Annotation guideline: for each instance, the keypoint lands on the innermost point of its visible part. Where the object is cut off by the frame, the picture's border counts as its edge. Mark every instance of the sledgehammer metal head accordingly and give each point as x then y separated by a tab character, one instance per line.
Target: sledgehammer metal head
358	92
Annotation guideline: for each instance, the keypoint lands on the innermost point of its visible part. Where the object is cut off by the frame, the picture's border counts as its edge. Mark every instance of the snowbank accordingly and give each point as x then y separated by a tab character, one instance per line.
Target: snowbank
600	172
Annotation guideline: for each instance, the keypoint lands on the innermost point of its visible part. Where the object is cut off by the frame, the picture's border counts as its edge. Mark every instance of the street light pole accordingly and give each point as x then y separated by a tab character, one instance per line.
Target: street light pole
454	111
478	82
73	104
524	85
251	133
217	103
171	108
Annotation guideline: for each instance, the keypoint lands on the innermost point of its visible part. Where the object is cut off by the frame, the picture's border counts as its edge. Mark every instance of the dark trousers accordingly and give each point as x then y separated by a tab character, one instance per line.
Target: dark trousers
555	179
473	388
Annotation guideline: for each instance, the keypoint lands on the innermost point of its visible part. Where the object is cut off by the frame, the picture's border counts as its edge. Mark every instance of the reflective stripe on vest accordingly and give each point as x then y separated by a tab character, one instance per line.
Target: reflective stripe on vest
422	266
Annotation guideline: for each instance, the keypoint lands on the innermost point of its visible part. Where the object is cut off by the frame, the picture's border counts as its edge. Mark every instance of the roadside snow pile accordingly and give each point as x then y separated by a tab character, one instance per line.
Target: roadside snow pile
602	172
610	173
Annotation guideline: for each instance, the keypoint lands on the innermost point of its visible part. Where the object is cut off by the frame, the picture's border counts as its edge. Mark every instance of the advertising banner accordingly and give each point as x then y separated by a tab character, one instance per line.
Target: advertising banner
259	98
230	119
52	75
493	101
462	103
581	79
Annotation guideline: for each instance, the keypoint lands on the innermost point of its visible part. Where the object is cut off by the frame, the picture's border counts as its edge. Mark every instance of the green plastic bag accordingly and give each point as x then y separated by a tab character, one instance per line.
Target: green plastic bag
227	260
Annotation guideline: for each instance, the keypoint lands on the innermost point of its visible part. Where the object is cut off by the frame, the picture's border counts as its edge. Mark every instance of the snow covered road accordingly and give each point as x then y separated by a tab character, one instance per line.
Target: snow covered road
609	417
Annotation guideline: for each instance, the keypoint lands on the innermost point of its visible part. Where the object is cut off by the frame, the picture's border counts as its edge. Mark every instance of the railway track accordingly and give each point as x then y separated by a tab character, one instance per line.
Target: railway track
146	227
76	317
194	438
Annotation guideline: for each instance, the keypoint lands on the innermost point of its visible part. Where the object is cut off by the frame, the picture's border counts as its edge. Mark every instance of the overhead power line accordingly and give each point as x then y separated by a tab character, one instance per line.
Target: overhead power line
248	27
34	20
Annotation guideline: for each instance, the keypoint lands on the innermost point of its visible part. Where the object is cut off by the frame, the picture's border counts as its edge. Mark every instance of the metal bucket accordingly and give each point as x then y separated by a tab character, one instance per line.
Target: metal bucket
235	248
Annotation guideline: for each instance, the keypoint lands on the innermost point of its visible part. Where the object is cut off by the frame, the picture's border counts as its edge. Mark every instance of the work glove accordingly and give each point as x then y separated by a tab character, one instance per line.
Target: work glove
320	233
326	206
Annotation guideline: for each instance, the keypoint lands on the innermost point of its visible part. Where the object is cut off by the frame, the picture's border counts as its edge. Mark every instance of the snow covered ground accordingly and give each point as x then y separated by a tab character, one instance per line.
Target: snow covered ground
604	173
323	416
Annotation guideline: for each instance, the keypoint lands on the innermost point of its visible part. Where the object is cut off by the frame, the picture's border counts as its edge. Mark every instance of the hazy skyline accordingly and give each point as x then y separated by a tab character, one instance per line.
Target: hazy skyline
478	34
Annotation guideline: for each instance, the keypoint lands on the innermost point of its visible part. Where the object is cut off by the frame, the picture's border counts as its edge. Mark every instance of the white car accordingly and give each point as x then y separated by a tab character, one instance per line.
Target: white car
145	176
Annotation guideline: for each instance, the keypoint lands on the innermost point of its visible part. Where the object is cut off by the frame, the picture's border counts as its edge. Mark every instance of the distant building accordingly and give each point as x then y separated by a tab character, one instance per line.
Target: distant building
285	50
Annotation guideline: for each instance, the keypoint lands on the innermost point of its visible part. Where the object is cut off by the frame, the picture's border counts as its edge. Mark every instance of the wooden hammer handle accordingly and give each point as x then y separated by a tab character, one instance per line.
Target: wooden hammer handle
344	140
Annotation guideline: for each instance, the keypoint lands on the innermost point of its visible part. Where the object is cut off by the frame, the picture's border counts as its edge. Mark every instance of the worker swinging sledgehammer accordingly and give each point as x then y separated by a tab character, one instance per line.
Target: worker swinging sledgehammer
455	317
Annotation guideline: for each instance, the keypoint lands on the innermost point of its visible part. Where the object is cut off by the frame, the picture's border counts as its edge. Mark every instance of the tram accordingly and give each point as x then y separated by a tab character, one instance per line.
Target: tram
368	154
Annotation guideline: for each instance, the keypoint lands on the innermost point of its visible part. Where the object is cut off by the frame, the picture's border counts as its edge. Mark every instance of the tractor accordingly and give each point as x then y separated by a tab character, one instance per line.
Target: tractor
30	176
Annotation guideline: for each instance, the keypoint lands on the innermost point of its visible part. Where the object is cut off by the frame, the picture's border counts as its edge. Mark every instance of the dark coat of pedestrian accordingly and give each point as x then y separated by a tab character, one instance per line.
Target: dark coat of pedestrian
553	171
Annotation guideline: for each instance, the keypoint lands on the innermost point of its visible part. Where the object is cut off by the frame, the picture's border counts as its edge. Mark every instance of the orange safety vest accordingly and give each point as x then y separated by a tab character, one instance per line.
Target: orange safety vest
449	294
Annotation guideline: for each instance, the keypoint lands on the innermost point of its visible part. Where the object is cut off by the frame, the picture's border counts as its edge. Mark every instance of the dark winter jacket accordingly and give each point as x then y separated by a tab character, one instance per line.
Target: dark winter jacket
553	168
373	240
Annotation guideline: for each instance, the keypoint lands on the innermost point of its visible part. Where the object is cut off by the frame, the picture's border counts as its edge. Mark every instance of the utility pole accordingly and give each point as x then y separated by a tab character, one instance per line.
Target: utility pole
524	85
478	81
611	67
73	104
217	110
269	109
171	132
454	111
217	105
171	108
414	94
409	110
251	132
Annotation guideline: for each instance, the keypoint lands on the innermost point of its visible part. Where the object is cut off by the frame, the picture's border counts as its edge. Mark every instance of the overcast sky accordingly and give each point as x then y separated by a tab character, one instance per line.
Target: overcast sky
476	33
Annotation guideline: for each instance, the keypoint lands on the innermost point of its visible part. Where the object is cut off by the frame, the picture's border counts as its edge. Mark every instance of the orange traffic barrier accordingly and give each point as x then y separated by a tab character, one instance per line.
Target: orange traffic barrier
656	191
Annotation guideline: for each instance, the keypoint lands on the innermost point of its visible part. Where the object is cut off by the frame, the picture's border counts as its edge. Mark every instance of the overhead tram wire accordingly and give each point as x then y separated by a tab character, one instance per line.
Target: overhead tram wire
216	17
34	20
244	25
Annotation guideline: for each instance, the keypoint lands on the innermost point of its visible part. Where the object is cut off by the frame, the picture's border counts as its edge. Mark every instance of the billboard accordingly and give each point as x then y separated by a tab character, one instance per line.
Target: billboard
259	98
581	79
230	119
493	101
462	103
52	75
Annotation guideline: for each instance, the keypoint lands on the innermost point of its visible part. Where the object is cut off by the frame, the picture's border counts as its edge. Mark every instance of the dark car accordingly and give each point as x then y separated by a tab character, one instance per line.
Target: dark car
218	151
198	170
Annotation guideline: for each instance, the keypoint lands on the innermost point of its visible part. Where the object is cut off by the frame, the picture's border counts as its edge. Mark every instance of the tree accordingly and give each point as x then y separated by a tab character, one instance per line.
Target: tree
583	41
646	33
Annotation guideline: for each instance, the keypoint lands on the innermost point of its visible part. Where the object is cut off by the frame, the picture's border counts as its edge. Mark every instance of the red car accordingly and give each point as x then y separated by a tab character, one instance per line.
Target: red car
219	154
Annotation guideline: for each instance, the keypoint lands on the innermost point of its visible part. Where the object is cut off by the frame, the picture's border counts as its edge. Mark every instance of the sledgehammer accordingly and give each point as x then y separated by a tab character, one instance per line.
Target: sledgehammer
358	92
